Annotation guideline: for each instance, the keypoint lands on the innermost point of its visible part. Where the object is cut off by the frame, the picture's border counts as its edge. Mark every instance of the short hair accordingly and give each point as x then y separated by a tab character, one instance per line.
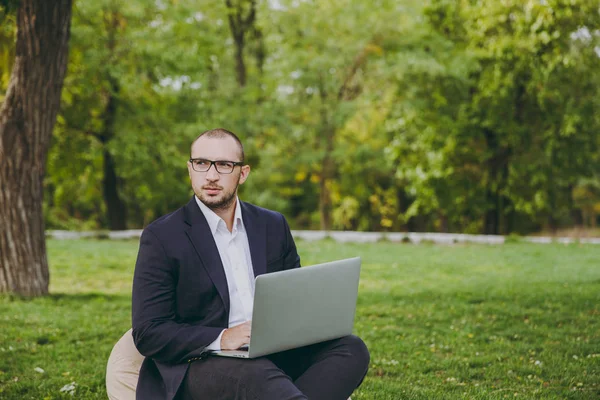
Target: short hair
220	133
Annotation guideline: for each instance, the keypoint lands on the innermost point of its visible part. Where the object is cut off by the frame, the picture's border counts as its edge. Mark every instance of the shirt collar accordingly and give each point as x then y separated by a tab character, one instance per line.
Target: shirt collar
214	220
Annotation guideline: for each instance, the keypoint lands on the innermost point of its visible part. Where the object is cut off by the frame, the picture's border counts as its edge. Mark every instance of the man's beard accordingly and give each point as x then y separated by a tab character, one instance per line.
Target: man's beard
219	204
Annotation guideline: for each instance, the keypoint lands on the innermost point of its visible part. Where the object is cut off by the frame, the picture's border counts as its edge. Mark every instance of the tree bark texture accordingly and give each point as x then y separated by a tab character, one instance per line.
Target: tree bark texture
27	118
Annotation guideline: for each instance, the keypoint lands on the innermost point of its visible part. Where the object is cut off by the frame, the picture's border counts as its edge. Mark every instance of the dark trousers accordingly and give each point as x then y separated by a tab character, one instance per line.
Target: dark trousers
329	370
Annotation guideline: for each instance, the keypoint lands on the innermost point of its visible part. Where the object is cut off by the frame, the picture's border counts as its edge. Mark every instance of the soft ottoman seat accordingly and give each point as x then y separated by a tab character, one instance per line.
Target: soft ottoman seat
123	369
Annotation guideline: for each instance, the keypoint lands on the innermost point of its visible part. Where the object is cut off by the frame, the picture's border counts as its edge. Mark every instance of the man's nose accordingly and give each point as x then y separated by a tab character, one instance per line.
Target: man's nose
212	174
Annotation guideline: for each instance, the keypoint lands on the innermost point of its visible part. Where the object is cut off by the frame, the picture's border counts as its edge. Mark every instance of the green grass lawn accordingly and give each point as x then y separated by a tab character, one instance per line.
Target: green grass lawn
442	322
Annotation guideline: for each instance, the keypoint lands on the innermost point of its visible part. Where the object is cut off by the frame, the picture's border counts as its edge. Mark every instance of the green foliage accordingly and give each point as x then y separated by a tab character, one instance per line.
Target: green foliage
389	115
326	74
503	117
153	85
441	322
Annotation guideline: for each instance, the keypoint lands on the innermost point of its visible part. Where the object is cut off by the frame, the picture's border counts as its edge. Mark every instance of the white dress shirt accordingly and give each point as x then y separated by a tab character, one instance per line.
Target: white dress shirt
235	255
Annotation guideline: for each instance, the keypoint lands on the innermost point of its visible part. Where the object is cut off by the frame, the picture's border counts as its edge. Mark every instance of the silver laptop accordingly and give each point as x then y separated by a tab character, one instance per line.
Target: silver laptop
301	306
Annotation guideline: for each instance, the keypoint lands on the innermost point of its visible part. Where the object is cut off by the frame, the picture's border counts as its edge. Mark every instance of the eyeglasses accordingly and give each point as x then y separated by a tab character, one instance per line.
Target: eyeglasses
222	166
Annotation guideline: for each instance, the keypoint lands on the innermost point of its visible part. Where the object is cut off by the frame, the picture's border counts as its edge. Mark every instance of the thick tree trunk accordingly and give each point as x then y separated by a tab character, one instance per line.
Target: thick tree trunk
27	118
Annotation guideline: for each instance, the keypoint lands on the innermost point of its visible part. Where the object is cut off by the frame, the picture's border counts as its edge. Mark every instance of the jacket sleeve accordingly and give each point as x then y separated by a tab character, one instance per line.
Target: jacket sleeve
156	331
291	258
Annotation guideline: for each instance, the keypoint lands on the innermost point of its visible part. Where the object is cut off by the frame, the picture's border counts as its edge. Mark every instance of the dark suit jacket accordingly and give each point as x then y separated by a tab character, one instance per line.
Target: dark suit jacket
180	297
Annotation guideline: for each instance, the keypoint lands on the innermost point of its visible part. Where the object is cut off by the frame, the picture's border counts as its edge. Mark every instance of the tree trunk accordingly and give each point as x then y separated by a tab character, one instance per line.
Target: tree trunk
496	203
490	224
327	175
241	21
240	66
443	224
115	206
327	163
27	118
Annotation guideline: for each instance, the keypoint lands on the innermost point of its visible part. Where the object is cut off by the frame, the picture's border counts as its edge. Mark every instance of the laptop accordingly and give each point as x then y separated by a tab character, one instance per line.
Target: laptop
301	306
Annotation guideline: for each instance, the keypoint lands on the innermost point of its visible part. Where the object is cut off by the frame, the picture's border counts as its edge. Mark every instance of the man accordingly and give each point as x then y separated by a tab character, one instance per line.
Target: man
193	291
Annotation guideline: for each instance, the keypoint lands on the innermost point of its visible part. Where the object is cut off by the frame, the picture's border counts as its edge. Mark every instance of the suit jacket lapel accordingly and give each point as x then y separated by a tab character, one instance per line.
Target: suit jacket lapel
256	230
204	244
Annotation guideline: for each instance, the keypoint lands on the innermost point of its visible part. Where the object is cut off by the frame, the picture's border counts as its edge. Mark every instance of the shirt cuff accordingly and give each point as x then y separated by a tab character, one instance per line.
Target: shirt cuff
216	345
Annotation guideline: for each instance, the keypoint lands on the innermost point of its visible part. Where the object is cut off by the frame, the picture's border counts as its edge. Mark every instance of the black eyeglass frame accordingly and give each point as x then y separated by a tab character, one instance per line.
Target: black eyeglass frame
213	163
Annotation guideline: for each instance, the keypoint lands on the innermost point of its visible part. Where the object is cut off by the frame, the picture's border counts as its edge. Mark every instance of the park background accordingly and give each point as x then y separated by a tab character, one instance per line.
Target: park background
445	116
460	116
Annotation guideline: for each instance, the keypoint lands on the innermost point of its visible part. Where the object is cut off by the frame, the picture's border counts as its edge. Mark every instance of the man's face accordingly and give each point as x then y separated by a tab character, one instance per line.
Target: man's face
217	190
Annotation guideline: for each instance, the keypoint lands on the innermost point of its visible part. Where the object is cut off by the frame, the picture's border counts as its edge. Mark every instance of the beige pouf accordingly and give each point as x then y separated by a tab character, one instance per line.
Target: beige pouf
123	369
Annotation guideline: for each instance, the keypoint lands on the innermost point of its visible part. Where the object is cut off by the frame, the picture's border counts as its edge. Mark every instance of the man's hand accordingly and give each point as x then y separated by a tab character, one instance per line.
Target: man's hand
236	337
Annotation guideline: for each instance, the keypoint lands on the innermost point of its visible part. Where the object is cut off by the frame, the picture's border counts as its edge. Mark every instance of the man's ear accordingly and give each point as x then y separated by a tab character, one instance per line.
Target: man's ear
244	172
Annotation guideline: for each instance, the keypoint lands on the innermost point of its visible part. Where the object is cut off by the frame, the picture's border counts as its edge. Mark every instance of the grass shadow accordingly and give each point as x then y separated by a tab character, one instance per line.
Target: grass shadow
92	296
